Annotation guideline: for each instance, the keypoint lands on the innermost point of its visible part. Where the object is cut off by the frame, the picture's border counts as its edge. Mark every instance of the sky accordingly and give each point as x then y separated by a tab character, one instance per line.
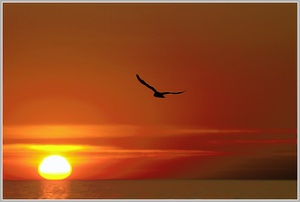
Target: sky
70	88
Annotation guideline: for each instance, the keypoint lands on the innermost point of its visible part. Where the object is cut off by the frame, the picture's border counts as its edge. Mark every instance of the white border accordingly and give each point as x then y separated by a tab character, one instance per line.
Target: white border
148	1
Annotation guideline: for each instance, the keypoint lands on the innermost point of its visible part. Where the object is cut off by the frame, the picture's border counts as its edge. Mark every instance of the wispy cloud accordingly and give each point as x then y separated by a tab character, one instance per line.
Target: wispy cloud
53	148
100	150
179	131
67	131
114	130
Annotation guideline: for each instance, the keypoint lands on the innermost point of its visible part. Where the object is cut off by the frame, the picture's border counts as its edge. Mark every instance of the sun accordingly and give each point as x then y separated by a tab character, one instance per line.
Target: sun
55	167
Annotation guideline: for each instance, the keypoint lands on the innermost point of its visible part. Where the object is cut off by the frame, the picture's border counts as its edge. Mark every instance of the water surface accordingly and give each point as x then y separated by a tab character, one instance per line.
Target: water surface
150	189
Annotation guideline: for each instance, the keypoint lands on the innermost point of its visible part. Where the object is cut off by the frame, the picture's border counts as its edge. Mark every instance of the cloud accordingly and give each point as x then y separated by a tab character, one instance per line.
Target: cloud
114	130
65	131
101	151
182	131
52	148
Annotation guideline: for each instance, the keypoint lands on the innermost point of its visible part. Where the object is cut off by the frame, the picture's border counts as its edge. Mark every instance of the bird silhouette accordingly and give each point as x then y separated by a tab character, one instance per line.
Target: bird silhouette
156	93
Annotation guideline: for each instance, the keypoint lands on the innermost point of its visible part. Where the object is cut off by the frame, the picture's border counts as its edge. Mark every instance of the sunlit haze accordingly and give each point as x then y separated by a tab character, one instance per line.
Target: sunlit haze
70	89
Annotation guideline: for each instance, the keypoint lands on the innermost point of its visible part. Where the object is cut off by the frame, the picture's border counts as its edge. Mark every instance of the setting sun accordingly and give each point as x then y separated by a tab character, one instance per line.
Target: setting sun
55	167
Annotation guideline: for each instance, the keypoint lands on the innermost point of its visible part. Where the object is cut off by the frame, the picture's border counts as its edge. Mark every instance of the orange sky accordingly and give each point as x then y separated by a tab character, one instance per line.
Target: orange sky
69	80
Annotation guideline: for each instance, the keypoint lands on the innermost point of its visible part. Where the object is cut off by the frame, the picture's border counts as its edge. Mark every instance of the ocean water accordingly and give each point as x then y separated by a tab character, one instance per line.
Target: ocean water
149	189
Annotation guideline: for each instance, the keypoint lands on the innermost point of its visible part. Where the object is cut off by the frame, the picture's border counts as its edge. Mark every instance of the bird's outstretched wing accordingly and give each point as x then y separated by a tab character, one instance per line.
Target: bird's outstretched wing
144	83
164	93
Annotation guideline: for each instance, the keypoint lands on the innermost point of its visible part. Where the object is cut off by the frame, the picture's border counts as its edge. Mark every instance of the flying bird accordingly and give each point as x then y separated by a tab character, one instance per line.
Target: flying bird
156	93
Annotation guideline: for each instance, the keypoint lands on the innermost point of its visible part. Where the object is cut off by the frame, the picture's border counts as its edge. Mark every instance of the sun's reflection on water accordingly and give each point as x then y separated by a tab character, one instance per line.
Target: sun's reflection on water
54	189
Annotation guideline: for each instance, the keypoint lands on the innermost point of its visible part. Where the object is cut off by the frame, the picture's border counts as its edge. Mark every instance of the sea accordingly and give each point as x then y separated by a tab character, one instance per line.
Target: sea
149	189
